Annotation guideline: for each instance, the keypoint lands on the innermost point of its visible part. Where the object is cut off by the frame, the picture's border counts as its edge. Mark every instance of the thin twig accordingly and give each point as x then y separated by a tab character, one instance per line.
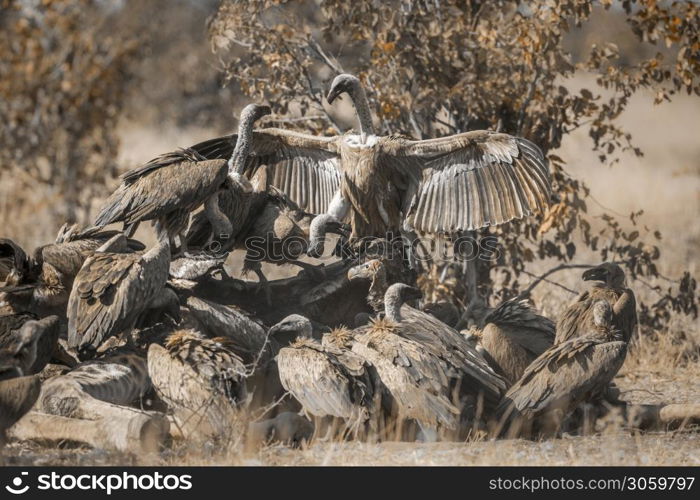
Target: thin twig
530	95
525	293
297	119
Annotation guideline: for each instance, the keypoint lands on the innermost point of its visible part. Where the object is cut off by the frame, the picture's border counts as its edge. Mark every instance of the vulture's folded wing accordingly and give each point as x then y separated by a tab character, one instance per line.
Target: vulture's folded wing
475	179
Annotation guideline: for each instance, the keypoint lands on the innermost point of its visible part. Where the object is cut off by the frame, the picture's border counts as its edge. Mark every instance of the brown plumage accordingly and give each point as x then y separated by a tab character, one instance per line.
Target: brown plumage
514	335
328	379
167	189
42	283
172	185
248	337
113	289
17	396
119	379
443	310
380	274
460	182
200	379
610	286
31	344
567	374
434	376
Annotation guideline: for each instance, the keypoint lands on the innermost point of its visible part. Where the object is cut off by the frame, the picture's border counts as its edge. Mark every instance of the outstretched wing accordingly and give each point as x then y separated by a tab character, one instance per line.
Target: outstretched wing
305	167
473	180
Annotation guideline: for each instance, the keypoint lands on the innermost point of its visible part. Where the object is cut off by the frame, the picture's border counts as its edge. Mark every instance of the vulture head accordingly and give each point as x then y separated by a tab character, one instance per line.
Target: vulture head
366	271
396	296
320	226
23	346
343	84
14	263
609	273
253	112
290	328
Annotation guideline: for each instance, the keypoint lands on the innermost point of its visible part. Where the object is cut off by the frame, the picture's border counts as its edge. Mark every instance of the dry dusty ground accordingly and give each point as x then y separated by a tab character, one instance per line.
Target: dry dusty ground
666	183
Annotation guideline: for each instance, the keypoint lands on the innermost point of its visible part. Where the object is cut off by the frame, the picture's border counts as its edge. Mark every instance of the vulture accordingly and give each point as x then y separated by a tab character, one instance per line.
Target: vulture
610	286
512	337
42	283
383	184
31	342
112	289
565	375
174	184
380	275
327	378
200	379
433	375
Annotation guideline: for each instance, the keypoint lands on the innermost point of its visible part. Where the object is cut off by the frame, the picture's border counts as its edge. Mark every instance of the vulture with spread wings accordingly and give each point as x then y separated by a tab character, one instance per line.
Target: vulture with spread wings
387	183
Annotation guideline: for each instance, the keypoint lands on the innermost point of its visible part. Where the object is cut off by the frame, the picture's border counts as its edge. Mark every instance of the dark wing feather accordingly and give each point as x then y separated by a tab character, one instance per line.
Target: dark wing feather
109	292
576	318
625	314
562	376
188	155
473	180
183	186
523	325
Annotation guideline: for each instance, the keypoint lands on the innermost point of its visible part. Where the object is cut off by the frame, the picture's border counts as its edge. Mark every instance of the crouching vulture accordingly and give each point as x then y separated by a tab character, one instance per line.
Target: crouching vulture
567	374
200	379
512	337
433	375
327	378
113	289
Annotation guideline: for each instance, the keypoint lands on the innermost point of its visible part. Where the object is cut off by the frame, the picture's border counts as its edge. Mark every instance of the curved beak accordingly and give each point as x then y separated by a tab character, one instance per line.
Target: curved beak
353	274
333	94
594	274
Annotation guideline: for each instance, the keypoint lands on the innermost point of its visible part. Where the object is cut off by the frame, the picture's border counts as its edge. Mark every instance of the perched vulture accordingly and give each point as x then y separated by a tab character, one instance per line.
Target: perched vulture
610	286
565	375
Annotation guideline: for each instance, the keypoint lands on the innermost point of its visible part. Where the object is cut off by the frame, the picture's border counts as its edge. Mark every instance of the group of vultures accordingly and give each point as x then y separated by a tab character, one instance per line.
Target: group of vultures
106	342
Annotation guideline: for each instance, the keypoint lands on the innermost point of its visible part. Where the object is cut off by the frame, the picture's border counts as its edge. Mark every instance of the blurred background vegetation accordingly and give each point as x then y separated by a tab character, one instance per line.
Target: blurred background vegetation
609	90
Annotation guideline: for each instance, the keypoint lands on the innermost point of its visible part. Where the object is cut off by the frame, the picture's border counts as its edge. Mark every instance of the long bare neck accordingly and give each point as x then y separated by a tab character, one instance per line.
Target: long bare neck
392	306
243	143
162	248
359	99
221	225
